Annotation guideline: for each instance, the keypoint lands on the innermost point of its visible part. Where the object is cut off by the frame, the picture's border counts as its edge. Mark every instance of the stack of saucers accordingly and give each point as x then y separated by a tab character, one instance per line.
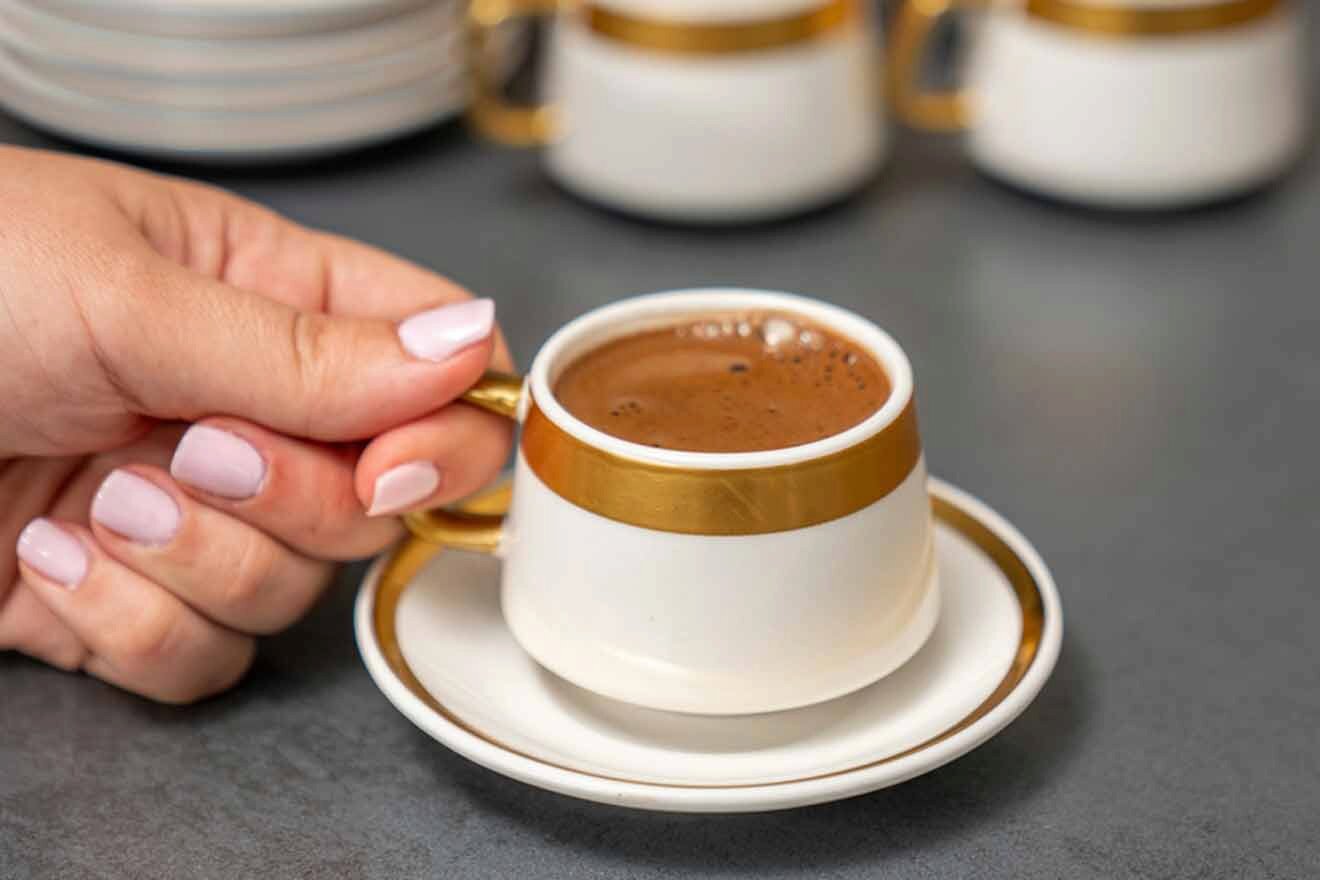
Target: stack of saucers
235	80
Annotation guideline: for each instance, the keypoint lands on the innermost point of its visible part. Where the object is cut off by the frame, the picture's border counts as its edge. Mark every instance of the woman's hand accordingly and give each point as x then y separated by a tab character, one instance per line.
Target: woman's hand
202	402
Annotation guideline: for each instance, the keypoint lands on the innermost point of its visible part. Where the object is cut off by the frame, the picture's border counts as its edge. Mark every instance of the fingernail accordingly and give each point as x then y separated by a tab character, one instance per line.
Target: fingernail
218	462
436	334
53	552
401	487
136	508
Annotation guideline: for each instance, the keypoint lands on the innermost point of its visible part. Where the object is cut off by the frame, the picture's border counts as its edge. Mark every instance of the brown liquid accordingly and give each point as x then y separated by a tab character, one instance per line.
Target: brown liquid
725	383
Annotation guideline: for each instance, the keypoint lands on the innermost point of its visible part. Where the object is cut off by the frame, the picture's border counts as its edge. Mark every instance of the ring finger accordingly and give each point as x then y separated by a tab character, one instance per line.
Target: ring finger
233	573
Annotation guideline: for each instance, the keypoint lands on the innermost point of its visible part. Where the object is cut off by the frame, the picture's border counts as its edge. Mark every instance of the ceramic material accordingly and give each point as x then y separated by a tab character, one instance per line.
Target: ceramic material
713	138
711	620
226	18
26	26
671	621
1136	121
228	136
240	100
439	60
442	654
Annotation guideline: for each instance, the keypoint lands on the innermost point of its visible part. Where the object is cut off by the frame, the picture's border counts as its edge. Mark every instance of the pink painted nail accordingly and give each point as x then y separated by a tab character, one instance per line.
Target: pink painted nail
136	508
54	552
403	486
218	462
437	334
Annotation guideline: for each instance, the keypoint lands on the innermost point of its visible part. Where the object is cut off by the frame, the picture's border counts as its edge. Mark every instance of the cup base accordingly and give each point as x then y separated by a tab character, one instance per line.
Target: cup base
729	213
690	694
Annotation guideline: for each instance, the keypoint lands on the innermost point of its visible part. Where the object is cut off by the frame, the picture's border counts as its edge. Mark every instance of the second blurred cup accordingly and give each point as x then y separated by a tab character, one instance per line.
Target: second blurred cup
1118	103
695	111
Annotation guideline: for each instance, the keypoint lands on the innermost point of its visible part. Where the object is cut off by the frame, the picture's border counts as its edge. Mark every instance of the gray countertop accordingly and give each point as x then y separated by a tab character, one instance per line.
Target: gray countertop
1139	395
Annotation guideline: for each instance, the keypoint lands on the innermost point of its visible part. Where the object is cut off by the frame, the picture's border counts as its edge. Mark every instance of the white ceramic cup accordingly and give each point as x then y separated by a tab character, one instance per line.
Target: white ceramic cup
1119	103
714	583
695	111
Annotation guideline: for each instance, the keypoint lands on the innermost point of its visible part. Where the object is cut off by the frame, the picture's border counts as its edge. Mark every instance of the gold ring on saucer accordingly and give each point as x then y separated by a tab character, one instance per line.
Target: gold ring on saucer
411	557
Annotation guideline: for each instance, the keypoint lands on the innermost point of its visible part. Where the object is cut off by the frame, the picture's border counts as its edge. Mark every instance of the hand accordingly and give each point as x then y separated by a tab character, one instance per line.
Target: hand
202	401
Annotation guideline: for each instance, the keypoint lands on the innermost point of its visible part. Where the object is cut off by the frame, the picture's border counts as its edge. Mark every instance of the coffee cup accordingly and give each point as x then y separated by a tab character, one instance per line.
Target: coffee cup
695	111
710	583
1128	104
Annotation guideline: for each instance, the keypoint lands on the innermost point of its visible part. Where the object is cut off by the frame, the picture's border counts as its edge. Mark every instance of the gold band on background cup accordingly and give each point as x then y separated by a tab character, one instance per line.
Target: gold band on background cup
1150	21
503	122
951	110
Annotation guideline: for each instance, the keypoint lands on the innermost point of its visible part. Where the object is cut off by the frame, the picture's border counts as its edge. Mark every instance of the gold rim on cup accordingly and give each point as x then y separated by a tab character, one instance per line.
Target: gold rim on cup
732	501
750	501
412	556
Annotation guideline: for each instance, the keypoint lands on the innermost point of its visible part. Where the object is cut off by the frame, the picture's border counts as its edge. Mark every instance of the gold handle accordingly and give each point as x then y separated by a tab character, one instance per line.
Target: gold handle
493	116
933	111
408	559
478	525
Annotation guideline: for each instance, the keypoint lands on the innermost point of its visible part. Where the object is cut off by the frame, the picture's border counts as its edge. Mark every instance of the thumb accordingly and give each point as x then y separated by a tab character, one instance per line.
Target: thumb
191	347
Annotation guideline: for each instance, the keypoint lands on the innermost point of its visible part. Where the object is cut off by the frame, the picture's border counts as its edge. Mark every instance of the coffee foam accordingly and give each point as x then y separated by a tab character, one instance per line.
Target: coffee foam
725	383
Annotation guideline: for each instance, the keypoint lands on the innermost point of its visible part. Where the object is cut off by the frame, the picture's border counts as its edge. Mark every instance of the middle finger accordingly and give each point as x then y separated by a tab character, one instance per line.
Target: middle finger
300	492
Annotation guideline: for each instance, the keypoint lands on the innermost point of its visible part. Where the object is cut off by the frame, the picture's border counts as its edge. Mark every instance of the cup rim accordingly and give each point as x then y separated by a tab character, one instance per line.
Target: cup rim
638	313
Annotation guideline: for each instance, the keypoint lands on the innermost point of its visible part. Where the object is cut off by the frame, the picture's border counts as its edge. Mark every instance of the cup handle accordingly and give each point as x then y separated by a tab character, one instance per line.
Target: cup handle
489	113
477	526
932	111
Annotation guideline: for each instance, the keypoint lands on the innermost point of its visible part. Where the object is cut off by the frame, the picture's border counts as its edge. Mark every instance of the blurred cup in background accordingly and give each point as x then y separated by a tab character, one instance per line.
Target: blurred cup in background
1117	103
695	111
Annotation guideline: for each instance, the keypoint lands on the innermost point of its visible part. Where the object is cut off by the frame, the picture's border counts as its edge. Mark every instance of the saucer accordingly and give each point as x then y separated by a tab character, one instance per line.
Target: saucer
229	19
441	653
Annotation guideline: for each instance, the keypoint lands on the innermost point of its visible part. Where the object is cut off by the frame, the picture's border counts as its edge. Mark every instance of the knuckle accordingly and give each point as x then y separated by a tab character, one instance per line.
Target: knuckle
329	529
312	352
226	675
153	638
123	269
313	584
244	590
32	632
68	656
221	674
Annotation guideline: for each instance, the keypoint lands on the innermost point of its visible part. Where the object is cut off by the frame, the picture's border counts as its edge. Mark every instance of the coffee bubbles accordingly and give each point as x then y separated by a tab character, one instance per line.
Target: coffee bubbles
725	383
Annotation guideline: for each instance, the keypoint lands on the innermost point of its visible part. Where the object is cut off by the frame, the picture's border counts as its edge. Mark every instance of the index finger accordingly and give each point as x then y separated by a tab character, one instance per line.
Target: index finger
365	281
246	245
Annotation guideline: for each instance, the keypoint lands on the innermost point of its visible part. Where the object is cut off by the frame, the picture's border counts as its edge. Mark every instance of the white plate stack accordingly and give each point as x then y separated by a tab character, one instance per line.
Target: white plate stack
235	80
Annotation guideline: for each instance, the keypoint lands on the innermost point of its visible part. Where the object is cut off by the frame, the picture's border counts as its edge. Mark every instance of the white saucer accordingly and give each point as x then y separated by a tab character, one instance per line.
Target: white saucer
226	18
28	26
441	60
228	135
441	653
235	133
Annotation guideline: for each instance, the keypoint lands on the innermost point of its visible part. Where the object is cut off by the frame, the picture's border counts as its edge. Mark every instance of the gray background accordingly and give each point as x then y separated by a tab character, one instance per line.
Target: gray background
1138	394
